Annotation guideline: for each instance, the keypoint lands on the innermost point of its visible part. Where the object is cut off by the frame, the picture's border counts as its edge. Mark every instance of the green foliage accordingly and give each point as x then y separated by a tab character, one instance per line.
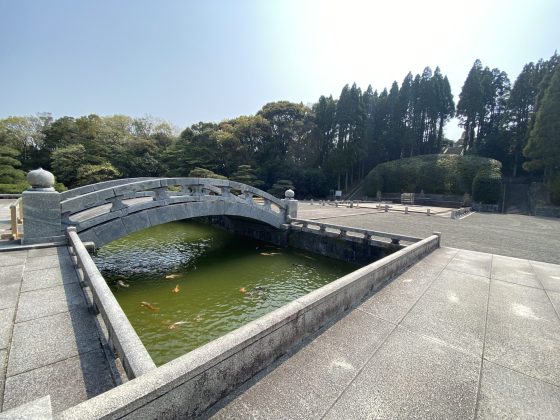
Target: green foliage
9	164
204	173
13	188
66	161
246	175
279	187
543	147
437	174
487	187
91	174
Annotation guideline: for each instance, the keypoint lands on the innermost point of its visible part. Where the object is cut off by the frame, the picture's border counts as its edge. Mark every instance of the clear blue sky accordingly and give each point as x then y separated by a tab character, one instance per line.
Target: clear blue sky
207	61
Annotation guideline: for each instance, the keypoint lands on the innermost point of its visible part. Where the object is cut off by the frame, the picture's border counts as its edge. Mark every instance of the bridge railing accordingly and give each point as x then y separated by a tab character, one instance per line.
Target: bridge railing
367	234
75	192
122	336
123	198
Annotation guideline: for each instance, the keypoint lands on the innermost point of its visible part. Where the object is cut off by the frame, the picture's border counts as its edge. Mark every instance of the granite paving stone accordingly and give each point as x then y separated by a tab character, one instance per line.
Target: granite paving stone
39	409
523	331
548	274
10	284
44	302
3	363
68	382
47	261
48	340
453	310
555	299
6	322
514	270
12	258
471	262
507	394
49	277
336	356
440	257
412	376
42	252
394	301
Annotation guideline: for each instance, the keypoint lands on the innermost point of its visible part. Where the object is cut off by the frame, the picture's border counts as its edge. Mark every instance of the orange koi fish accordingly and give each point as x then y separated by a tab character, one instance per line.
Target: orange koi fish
175	289
149	306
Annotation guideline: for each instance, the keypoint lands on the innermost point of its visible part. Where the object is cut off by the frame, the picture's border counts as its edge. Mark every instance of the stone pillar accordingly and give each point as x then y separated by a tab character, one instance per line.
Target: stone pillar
41	210
291	206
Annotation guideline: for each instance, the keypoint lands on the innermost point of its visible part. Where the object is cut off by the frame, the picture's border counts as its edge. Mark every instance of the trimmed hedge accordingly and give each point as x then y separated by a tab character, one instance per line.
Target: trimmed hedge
487	188
436	174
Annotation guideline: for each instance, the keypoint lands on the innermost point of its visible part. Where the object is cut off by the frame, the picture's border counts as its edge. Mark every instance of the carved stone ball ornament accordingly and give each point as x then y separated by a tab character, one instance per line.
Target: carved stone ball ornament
41	179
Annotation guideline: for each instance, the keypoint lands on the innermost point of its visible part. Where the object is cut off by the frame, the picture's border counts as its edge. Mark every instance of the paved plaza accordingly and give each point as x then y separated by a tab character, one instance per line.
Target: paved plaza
49	340
533	238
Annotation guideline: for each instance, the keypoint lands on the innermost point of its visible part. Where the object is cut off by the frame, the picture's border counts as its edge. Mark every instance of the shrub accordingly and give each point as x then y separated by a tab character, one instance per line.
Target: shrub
13	188
487	188
436	174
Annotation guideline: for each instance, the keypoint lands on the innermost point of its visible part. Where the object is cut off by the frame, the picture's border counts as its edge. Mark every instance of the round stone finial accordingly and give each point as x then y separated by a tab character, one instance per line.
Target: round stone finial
41	179
289	194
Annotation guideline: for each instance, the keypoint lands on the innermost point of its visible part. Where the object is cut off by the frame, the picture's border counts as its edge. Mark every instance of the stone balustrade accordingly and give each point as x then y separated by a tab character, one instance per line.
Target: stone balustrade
122	336
458	213
344	231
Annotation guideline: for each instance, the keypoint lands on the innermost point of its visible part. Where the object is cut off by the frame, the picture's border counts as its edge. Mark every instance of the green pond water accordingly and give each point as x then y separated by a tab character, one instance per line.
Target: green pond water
184	284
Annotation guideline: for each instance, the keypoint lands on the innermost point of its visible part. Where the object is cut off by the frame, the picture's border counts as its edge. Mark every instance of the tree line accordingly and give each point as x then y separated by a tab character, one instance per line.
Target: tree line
326	145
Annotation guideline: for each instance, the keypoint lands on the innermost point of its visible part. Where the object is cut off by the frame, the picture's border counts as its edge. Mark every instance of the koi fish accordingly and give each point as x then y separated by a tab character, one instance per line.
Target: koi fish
269	254
176	324
243	290
149	306
175	289
121	283
172	276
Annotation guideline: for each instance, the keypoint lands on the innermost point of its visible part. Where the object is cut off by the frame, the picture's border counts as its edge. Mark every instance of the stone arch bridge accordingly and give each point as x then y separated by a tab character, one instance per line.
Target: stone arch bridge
110	210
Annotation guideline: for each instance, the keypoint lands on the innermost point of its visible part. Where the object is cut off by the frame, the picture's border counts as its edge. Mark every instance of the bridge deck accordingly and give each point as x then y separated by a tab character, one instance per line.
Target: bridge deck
49	341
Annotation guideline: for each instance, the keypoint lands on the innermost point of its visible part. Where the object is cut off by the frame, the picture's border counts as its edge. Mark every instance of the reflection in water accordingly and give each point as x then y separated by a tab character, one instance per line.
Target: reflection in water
184	284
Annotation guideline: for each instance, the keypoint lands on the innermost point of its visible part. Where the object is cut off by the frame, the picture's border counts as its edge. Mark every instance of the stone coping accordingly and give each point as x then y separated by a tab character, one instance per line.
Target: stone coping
135	358
188	385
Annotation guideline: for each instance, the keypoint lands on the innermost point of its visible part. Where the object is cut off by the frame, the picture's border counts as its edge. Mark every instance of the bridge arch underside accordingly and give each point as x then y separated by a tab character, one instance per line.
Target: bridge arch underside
108	231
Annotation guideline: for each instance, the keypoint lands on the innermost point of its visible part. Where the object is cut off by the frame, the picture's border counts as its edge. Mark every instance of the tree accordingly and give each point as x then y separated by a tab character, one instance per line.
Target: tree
204	173
279	188
91	174
66	161
246	175
543	147
12	179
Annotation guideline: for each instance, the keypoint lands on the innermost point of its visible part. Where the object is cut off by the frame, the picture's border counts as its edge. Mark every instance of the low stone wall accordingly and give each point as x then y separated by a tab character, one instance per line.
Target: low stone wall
354	245
188	385
547	211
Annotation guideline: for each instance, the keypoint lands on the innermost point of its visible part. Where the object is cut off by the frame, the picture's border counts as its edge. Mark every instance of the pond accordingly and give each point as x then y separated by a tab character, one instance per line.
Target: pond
183	284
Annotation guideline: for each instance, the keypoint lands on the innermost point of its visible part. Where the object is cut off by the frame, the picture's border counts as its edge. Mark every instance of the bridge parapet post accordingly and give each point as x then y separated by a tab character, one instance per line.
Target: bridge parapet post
291	205
41	210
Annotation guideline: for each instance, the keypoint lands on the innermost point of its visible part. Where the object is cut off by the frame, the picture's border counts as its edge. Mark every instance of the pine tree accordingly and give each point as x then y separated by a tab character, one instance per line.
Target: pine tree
543	147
